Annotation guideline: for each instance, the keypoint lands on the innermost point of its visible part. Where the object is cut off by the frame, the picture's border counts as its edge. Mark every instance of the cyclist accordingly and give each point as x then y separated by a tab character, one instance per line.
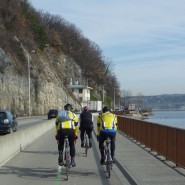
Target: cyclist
86	124
69	128
106	127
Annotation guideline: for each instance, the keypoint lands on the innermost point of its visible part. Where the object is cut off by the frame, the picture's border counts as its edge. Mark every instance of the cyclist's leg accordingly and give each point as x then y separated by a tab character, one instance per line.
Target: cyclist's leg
71	138
82	136
89	133
60	149
102	138
112	136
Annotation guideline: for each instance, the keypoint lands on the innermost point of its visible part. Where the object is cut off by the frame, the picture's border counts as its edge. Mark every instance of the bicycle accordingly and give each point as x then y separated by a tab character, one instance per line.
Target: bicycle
66	155
107	153
86	144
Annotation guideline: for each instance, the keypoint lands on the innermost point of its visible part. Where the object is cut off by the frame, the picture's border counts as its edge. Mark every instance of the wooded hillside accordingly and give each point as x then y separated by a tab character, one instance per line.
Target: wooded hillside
22	25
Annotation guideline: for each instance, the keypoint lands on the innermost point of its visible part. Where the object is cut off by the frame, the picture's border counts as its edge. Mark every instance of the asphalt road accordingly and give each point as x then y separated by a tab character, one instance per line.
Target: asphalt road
25	122
29	121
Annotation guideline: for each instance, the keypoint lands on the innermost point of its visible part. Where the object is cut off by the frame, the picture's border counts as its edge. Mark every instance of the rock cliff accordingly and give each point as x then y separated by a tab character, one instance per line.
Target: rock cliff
50	74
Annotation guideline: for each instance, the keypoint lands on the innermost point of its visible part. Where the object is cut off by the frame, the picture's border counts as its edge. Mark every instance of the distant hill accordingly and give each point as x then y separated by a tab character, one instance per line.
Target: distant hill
161	102
173	101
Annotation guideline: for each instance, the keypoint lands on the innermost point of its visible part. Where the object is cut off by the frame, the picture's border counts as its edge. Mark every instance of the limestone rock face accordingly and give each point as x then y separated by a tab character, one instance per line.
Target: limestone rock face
50	75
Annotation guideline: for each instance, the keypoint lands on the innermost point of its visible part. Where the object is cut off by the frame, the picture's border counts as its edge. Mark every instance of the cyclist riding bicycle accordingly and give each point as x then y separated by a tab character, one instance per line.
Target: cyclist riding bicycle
69	128
86	124
106	127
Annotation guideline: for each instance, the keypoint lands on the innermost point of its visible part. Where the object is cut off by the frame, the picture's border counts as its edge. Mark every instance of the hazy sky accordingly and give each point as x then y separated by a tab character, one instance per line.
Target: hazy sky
144	39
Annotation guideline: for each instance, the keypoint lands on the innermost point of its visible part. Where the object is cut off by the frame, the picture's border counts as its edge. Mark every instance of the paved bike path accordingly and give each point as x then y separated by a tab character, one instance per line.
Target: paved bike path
37	165
143	167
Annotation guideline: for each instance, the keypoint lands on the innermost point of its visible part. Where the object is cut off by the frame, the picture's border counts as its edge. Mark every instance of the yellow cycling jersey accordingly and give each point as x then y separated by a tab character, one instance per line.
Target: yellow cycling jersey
107	122
71	124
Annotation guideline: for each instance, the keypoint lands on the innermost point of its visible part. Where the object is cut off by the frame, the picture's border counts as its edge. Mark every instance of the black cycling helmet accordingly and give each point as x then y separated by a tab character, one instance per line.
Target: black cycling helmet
68	107
86	108
106	109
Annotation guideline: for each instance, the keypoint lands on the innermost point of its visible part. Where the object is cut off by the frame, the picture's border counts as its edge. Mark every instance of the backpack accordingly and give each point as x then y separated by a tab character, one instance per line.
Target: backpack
63	115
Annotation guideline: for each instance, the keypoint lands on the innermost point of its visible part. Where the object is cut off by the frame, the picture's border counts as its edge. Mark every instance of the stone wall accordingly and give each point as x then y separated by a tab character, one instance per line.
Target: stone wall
44	94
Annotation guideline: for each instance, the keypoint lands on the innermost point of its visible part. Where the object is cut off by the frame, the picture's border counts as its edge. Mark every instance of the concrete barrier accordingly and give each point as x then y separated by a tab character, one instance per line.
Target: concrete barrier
13	143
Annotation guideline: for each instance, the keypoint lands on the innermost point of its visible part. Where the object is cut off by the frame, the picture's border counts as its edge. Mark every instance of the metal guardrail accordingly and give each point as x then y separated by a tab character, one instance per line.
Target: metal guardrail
166	141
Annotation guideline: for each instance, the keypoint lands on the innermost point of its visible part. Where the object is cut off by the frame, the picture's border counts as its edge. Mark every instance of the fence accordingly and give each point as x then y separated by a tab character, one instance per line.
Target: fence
166	141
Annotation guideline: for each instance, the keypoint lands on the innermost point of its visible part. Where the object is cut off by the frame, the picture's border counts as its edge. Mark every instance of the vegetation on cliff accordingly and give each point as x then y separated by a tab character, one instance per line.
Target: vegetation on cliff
21	26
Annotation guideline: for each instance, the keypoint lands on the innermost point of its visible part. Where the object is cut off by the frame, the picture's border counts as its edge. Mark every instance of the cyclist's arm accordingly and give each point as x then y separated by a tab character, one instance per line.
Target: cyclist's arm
115	123
98	125
79	118
57	125
76	125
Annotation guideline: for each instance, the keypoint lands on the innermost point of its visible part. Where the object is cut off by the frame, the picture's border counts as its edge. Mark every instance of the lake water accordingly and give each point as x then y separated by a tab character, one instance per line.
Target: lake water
169	118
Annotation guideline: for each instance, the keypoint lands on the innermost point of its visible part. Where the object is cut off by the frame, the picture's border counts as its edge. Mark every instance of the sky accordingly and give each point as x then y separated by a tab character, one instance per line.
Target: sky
143	39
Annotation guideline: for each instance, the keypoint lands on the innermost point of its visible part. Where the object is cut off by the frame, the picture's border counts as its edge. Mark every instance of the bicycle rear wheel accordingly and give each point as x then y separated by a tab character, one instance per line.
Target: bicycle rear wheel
86	144
66	159
108	166
67	168
67	172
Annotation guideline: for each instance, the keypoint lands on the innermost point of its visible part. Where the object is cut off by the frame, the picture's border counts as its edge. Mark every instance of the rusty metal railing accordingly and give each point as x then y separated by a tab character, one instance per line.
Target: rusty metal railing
166	141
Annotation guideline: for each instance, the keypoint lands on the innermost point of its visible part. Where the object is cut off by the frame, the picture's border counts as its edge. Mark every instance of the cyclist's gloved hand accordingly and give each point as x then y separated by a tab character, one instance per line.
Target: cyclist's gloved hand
76	137
98	137
56	137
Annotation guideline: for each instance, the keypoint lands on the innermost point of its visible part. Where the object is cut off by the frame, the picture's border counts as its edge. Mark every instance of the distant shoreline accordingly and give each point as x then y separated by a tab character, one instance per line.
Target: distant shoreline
168	109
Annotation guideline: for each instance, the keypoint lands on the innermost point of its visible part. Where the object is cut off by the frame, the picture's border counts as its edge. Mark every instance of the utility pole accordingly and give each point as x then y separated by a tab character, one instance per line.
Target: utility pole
28	85
114	98
103	95
29	82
